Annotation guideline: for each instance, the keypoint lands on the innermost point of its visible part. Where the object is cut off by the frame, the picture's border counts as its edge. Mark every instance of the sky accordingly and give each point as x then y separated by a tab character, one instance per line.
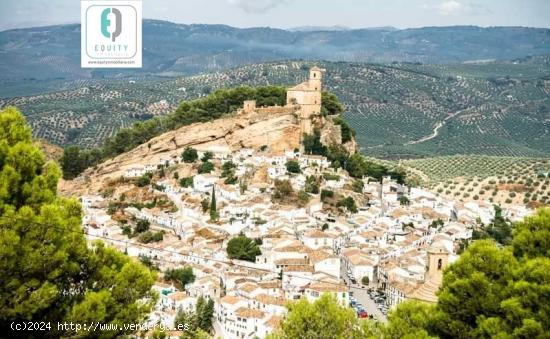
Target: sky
299	13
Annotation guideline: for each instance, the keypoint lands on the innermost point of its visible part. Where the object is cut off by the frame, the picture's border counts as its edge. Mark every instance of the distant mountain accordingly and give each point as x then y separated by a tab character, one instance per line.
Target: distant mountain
175	49
319	28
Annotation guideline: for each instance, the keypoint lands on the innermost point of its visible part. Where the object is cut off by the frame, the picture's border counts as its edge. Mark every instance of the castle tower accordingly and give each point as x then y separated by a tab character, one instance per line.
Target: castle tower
249	106
307	96
315	77
438	258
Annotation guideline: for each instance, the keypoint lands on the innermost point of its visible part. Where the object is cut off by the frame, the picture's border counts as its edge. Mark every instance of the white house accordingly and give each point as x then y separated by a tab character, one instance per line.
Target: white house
204	182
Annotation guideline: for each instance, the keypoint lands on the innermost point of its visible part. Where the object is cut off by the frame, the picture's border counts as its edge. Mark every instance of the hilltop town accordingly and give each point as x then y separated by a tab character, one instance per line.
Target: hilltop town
188	198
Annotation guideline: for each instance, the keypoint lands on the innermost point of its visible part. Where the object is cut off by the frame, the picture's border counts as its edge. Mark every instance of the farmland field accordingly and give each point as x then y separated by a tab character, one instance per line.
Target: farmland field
502	180
399	110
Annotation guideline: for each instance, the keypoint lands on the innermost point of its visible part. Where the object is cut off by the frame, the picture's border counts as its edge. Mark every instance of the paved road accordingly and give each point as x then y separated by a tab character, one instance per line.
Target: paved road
360	293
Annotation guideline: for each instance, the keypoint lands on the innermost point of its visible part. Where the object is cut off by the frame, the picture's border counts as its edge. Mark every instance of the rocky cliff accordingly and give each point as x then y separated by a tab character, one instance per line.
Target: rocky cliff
279	131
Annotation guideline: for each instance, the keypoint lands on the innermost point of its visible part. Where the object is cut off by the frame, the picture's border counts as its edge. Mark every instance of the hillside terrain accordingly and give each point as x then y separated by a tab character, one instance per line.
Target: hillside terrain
41	58
231	133
400	110
500	180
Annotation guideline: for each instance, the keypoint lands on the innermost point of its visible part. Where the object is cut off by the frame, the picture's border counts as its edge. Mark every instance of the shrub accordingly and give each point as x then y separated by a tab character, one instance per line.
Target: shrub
206	167
243	248
293	166
183	276
143	181
326	194
189	155
186	182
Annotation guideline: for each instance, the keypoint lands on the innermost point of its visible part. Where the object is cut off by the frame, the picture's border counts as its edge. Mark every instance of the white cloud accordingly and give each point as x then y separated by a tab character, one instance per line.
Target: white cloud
454	7
257	6
449	7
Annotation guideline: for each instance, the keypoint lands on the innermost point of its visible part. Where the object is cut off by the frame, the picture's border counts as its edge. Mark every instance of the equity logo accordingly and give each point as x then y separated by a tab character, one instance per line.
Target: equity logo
106	23
111	33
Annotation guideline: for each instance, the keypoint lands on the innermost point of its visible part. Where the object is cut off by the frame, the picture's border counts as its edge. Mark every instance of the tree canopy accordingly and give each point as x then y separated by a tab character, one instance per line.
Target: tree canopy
198	323
330	104
325	318
243	248
491	291
48	272
292	166
189	155
182	276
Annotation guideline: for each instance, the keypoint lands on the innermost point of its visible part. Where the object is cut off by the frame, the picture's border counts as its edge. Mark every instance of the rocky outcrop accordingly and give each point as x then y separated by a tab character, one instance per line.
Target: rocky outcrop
332	134
280	132
279	129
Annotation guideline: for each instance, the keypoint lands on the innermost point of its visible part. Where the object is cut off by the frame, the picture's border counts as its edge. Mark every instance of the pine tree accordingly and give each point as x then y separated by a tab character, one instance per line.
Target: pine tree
48	273
205	312
213	210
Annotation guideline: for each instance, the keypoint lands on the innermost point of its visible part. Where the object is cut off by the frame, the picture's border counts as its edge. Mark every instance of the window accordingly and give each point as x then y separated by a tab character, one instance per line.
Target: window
439	264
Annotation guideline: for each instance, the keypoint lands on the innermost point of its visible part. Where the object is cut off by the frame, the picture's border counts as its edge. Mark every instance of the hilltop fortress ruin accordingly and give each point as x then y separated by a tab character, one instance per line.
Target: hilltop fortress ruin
274	128
303	99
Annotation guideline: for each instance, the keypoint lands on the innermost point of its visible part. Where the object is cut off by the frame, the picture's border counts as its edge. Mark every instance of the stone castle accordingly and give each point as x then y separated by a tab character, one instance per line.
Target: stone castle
303	99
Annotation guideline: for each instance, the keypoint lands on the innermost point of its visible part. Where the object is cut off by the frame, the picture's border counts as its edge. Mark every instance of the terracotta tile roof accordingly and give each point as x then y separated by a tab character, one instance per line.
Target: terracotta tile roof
248	287
229	299
177	296
327	287
358	259
292	261
319	234
269	284
249	313
296	248
274	321
316	256
269	300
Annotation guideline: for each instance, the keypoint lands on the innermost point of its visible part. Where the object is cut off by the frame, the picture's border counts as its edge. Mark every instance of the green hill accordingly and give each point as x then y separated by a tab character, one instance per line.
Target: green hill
496	108
41	56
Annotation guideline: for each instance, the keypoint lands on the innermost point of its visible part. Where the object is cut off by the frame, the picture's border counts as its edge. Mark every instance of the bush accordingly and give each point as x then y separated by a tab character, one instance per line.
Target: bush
206	167
207	156
347	132
143	181
349	204
189	155
293	166
183	276
148	237
303	197
186	182
311	185
243	248
358	186
283	188
326	194
142	225
330	176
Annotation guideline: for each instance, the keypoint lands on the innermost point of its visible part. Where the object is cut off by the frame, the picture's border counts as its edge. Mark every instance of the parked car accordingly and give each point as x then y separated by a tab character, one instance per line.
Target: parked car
362	314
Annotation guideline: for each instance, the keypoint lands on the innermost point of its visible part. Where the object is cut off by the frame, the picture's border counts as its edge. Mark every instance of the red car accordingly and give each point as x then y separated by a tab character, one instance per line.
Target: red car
362	314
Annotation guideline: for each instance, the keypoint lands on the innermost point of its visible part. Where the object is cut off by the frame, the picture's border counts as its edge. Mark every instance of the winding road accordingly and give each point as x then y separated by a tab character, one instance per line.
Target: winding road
440	124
